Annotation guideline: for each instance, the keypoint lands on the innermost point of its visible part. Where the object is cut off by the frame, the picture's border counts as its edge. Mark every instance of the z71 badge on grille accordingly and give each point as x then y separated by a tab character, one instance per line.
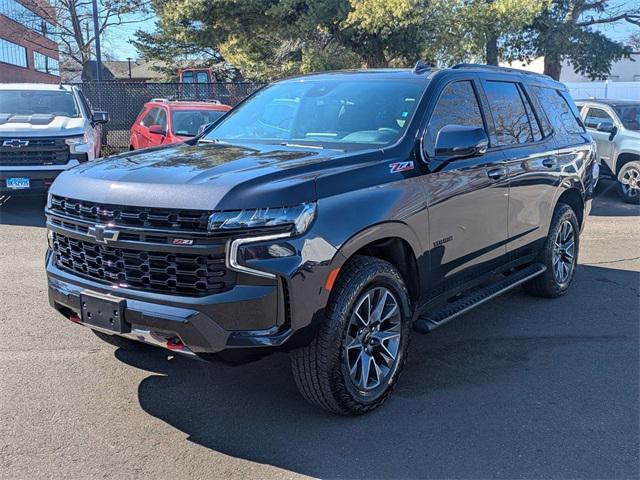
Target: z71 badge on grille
182	241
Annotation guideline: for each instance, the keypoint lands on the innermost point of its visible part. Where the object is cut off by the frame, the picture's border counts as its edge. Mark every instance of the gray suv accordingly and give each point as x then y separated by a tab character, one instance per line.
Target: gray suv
377	202
615	126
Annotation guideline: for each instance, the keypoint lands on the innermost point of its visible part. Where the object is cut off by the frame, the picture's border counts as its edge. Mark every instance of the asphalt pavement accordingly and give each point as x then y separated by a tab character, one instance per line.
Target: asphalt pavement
521	387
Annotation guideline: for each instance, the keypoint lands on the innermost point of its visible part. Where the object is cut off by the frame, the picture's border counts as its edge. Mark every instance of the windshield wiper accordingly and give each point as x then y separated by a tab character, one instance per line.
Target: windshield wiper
215	140
301	145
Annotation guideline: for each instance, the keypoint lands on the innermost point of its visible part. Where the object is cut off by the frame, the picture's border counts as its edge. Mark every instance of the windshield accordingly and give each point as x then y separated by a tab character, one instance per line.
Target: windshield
372	112
629	116
31	102
187	122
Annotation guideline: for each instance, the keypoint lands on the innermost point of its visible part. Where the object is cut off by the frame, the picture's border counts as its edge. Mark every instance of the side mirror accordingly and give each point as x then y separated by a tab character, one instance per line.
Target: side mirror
606	127
100	117
459	141
157	130
203	128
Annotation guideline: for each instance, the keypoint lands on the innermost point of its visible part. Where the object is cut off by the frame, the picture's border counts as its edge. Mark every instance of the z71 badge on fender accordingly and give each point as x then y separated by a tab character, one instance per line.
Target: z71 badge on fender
400	166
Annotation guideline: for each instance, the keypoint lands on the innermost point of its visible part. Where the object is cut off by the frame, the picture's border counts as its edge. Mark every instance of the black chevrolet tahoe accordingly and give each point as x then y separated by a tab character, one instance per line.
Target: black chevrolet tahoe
329	216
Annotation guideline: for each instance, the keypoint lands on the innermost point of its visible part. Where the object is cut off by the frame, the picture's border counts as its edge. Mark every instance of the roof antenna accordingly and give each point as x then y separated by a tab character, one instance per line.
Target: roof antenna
421	67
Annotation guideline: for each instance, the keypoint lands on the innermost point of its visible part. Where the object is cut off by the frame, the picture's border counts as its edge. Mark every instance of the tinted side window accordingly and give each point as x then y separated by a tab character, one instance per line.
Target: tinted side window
533	121
457	105
596	116
558	109
547	129
509	114
150	118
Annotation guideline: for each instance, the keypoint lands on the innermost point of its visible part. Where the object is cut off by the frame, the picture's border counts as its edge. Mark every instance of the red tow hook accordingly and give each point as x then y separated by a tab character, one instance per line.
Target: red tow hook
175	344
74	318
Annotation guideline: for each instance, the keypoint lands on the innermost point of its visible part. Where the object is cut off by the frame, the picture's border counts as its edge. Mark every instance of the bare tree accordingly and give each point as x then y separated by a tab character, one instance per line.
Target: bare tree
564	31
75	25
74	32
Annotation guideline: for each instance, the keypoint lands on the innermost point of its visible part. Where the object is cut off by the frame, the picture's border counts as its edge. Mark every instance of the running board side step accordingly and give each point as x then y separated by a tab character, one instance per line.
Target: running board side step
432	320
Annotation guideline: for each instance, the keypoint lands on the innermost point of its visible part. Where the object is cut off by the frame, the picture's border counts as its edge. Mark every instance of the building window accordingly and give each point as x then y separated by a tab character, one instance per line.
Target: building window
53	66
39	62
12	53
31	20
45	64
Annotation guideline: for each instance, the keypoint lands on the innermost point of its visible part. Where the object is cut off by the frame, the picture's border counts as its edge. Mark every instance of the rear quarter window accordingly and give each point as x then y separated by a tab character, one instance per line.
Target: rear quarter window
560	110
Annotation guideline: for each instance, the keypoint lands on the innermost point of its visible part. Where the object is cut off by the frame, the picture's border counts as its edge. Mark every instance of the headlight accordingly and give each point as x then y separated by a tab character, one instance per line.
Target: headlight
80	144
49	200
298	217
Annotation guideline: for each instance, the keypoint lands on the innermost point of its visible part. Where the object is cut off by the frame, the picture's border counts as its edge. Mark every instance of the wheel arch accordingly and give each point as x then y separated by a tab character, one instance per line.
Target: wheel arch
396	243
573	197
624	158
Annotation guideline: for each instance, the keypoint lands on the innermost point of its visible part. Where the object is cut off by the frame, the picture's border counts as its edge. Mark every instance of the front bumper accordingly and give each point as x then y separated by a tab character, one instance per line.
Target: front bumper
198	322
40	178
40	181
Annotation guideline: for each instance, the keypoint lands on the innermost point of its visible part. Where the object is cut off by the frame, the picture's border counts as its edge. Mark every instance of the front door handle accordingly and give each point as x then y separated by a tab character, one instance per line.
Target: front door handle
549	162
497	173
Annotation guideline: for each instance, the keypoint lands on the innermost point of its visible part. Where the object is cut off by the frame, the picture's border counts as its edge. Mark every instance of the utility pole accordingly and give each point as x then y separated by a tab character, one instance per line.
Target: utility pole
87	36
129	60
96	32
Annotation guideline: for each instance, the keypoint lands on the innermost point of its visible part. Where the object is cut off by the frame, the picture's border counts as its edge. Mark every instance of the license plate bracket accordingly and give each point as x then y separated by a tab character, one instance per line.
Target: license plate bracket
103	312
18	183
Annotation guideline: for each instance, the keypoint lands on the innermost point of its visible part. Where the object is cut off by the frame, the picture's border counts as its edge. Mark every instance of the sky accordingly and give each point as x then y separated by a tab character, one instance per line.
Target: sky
117	42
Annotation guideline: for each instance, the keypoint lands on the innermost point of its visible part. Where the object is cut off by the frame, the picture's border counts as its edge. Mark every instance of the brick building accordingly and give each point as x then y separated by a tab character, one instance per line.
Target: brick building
28	48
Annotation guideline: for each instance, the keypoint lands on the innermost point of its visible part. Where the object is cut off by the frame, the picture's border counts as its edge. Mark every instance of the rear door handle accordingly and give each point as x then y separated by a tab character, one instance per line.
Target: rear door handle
549	162
497	173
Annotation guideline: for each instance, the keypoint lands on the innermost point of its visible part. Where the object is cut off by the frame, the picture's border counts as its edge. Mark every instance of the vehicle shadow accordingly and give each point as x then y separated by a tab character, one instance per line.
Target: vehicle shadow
27	211
608	203
500	392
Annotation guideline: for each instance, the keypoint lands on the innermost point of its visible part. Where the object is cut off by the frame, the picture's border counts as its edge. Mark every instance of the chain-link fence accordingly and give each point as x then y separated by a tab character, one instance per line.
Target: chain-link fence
124	101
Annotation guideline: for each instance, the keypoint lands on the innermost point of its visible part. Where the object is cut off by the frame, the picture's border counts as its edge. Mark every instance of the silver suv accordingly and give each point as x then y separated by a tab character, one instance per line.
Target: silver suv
615	126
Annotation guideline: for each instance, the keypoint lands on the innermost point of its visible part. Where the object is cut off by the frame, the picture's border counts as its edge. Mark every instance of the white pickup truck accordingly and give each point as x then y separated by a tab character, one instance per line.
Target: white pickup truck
44	130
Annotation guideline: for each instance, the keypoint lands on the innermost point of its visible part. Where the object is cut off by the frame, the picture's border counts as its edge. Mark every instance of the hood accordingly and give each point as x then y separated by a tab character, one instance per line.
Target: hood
202	176
41	125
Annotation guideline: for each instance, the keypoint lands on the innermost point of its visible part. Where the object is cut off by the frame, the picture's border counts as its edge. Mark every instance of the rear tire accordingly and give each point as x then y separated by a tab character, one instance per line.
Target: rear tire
121	342
559	255
629	182
354	362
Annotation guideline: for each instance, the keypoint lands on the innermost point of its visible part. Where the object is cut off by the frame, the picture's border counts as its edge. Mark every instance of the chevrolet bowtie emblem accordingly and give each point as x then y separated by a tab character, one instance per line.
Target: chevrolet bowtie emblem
103	234
15	143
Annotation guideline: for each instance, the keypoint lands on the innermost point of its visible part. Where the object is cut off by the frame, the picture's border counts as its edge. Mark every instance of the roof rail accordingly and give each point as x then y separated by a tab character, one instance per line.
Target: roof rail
421	67
481	66
192	100
159	99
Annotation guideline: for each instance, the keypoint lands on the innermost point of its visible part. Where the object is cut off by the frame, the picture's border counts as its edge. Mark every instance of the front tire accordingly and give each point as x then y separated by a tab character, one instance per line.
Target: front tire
559	255
354	362
629	182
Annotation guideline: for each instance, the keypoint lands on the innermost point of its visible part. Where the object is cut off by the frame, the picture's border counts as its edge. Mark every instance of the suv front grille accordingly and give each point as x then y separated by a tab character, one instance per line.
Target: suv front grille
163	272
38	152
129	216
